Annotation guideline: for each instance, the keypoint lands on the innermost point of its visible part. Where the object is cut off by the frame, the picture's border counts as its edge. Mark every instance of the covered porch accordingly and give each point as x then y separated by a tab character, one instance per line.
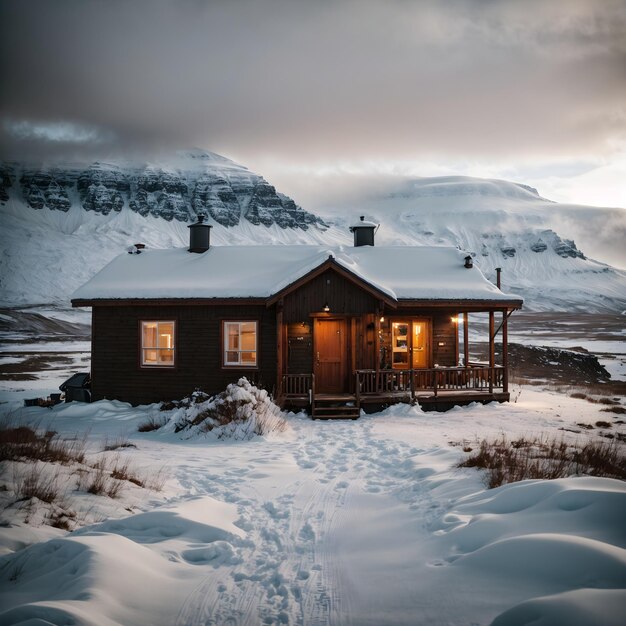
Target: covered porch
399	377
344	342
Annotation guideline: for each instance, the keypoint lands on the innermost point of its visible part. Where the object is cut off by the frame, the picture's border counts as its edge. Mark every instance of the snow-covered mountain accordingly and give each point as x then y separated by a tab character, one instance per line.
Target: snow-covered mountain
61	224
507	225
192	182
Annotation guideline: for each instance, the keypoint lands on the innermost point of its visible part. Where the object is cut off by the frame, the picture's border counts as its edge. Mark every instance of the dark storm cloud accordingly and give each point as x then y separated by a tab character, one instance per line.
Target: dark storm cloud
315	79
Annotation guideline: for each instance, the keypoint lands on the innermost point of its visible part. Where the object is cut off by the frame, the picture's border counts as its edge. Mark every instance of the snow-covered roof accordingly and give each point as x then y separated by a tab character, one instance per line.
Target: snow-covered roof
401	272
363	223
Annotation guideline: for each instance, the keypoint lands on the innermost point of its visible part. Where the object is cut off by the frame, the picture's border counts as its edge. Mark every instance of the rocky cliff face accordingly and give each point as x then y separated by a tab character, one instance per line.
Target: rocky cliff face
536	240
196	183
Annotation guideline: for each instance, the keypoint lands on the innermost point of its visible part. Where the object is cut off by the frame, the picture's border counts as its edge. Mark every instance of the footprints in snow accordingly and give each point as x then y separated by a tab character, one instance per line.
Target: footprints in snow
284	569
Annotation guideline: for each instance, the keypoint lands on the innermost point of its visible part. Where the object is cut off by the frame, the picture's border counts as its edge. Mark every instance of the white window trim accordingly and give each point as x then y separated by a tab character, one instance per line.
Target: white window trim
225	350
157	347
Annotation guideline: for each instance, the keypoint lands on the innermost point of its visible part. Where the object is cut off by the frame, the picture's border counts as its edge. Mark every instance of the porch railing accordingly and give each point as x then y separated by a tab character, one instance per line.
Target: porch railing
405	382
475	378
297	385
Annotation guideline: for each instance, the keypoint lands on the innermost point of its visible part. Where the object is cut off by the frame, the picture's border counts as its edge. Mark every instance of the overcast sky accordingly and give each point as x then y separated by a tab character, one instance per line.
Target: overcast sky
313	91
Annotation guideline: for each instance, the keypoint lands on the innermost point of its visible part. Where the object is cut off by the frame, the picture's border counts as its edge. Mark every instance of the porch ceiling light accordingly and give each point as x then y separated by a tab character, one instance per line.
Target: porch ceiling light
326	308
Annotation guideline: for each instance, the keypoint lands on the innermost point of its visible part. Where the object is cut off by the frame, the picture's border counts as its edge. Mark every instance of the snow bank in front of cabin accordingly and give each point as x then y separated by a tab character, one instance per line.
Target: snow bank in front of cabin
129	571
241	412
564	538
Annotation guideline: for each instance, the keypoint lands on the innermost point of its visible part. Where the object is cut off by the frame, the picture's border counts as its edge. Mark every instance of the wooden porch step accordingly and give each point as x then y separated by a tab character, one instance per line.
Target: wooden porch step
335	397
331	409
335	416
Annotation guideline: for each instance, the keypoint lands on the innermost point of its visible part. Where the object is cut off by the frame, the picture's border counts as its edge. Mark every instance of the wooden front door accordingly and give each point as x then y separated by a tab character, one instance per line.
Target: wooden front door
330	356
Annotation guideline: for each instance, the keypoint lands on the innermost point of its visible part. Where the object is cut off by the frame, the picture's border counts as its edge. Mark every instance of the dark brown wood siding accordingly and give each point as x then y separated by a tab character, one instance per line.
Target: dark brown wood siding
116	371
366	342
299	348
445	340
342	296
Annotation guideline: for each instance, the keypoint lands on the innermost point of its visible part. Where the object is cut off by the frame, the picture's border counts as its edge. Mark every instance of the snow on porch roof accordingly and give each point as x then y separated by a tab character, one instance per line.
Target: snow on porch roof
401	272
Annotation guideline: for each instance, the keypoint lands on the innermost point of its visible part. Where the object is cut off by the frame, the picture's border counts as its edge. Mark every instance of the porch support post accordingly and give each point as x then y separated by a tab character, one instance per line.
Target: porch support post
465	340
505	351
279	348
492	351
381	308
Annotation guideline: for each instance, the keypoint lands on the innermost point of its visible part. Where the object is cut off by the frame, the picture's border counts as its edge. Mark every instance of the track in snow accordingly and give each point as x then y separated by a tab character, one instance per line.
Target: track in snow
290	569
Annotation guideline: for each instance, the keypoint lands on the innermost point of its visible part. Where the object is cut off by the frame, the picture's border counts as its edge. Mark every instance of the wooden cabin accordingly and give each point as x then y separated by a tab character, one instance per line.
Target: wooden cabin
330	328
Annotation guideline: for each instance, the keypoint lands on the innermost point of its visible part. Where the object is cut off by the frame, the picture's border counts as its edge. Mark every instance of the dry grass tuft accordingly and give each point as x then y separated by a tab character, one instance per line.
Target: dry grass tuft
117	443
36	482
24	443
546	458
37	455
152	423
123	471
618	410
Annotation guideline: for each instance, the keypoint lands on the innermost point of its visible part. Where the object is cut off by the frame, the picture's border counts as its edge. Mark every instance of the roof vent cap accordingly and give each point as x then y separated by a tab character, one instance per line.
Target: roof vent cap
136	248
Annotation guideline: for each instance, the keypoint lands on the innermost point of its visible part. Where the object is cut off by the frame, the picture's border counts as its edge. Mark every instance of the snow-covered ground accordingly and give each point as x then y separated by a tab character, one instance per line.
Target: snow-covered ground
367	522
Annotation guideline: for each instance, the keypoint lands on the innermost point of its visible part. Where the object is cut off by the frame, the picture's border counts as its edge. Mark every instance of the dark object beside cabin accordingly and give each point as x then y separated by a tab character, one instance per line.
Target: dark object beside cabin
77	388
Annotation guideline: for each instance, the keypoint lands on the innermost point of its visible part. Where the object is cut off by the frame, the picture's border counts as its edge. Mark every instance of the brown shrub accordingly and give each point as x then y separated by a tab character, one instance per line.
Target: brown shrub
543	458
618	410
27	443
117	443
152	423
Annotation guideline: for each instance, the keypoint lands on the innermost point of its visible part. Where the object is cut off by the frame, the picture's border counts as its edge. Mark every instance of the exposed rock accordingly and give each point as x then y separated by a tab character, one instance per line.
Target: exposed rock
42	188
212	185
567	248
569	366
140	203
215	196
171	206
263	205
508	251
150	181
539	246
56	197
34	196
7	178
101	200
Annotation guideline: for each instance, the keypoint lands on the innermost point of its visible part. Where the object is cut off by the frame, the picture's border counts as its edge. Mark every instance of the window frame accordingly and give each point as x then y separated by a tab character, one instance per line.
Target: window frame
142	348
239	366
428	340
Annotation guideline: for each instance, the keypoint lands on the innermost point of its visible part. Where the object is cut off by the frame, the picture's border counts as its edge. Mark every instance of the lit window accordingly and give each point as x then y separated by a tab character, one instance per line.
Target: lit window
157	343
240	339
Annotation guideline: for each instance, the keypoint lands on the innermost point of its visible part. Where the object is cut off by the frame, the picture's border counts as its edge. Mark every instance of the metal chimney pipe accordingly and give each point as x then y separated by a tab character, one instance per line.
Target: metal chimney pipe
364	232
498	271
199	235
